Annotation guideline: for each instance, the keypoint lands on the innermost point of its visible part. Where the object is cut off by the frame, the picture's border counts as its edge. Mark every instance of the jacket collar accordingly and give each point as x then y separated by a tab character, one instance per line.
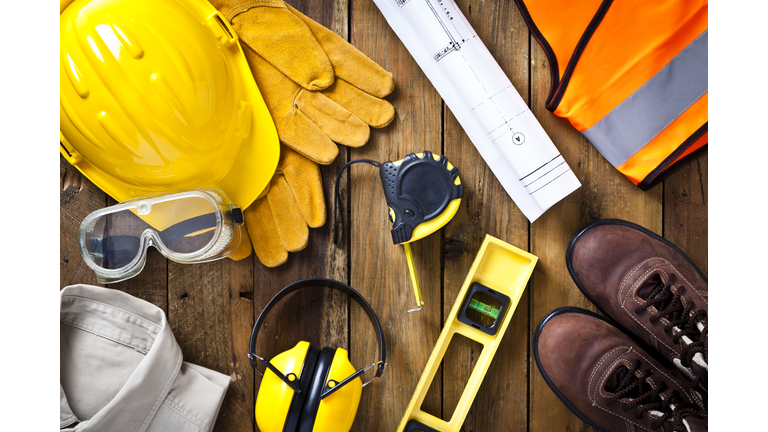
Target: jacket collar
139	324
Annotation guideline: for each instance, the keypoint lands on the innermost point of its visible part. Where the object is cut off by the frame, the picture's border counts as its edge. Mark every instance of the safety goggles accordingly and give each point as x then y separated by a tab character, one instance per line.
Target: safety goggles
192	226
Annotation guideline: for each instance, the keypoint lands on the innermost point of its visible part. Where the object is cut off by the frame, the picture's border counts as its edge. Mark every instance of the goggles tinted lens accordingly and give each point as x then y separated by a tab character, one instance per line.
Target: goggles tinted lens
110	241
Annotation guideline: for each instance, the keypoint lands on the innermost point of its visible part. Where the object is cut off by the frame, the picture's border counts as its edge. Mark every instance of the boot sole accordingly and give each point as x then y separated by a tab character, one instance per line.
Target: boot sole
555	390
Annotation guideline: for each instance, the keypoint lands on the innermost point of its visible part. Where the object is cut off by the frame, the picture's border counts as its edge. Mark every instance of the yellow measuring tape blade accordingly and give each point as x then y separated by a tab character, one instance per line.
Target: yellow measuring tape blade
414	278
502	271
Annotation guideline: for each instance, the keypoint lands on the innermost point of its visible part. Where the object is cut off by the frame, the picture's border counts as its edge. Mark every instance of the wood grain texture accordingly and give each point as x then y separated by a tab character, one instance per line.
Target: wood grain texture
686	211
502	401
212	321
378	268
78	198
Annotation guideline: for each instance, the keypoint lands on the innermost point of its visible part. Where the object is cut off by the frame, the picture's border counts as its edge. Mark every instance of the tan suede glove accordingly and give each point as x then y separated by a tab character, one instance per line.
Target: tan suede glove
319	90
280	217
278	223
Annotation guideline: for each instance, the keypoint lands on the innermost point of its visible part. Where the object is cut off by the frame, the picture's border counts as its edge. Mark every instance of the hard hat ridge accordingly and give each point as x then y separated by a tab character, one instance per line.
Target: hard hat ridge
158	96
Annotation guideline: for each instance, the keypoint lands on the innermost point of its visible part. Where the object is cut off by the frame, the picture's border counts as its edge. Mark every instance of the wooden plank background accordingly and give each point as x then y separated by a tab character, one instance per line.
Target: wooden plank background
212	307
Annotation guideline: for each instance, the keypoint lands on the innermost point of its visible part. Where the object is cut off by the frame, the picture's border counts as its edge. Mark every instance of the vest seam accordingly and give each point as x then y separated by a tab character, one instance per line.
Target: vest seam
554	68
577	52
654	177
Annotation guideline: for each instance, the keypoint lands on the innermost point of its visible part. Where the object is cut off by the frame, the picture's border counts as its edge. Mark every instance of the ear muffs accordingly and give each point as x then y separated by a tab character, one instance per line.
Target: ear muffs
307	390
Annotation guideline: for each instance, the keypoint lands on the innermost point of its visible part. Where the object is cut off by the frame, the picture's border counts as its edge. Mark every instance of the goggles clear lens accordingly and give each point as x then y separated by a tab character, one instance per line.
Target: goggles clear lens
188	227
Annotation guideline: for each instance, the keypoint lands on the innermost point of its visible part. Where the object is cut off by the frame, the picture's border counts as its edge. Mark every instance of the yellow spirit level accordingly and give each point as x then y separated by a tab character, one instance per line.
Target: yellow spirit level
482	312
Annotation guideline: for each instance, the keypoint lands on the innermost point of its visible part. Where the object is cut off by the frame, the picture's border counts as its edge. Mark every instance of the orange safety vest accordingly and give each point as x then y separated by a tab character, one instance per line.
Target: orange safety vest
631	76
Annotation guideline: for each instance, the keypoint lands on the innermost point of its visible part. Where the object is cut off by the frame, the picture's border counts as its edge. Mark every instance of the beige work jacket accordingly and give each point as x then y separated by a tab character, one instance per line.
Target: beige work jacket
121	368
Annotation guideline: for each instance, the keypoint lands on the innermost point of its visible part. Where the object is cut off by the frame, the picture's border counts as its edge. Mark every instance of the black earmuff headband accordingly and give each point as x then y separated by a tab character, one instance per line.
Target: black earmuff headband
328	283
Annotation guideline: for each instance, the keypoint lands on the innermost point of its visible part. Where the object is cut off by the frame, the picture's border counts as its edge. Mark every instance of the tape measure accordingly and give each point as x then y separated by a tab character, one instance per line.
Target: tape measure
482	312
423	192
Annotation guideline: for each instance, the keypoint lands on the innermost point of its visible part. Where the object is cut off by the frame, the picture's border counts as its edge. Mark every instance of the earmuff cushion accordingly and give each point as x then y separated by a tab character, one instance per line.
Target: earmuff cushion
305	380
312	401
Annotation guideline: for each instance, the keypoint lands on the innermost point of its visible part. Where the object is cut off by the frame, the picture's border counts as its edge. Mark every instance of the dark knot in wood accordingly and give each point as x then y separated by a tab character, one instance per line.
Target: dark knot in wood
453	249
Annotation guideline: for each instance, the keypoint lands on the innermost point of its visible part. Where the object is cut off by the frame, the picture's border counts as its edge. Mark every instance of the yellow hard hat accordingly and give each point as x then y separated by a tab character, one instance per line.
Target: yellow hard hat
157	96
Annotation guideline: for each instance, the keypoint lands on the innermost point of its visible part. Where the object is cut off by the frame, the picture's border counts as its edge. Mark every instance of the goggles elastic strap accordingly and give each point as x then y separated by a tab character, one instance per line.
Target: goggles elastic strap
189	226
113	246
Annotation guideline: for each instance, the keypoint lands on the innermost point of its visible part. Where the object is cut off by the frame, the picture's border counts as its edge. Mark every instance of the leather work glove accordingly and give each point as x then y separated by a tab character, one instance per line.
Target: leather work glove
279	222
319	90
280	218
317	87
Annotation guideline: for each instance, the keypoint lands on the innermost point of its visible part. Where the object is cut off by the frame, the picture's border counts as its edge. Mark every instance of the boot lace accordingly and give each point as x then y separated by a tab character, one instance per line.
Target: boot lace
645	398
685	318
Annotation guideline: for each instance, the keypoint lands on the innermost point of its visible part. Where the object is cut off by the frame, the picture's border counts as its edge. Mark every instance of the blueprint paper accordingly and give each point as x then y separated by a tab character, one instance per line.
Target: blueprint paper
480	95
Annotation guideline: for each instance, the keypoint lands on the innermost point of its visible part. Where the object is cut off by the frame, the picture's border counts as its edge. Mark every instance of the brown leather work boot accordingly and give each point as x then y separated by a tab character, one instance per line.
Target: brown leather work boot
648	286
608	380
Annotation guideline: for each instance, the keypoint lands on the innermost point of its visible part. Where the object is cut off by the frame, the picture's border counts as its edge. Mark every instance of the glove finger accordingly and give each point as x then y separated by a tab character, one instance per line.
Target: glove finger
303	177
244	250
294	128
348	62
275	87
284	40
303	135
290	224
263	233
372	110
336	122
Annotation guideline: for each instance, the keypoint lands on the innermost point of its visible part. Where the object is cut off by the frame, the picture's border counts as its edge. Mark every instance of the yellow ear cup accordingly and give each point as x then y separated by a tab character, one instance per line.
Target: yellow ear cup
337	412
273	402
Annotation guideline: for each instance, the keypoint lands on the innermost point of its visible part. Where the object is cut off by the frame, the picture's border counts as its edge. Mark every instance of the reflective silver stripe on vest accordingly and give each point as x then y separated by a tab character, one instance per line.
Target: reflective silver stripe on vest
651	108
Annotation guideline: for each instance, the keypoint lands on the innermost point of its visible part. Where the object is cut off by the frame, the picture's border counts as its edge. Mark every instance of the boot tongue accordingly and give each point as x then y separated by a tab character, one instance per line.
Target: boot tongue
619	374
648	286
646	292
613	381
